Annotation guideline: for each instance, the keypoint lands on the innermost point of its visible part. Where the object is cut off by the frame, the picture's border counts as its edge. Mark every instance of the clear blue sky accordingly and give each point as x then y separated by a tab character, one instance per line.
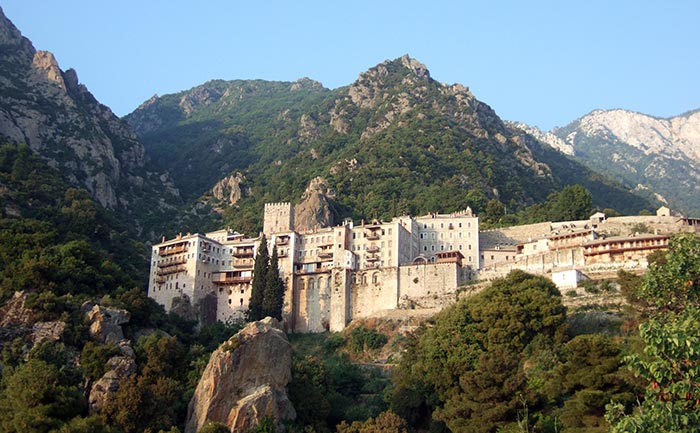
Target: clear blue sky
541	62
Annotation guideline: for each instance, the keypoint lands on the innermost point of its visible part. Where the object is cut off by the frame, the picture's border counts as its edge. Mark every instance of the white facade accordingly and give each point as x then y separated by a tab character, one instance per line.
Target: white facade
331	274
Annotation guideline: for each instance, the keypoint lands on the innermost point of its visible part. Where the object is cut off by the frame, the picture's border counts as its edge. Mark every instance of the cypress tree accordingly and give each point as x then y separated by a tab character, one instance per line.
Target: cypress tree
260	271
274	289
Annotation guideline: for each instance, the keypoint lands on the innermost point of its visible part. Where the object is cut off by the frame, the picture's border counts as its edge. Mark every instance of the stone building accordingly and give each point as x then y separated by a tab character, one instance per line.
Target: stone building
331	274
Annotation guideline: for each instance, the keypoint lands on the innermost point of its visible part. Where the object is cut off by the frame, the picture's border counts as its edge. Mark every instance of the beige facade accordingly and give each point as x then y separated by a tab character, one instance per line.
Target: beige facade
332	274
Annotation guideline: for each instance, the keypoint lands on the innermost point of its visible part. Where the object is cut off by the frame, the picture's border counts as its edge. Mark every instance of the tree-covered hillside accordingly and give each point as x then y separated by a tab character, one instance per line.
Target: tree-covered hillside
395	141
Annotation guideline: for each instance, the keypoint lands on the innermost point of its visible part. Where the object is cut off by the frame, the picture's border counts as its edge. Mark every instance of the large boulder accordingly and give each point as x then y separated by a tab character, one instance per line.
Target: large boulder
105	323
245	380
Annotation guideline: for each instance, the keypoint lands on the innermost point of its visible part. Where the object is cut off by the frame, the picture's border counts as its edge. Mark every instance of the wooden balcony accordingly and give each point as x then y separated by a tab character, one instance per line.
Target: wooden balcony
232	280
243	252
372	235
373	248
282	241
170	250
171	270
175	262
372	258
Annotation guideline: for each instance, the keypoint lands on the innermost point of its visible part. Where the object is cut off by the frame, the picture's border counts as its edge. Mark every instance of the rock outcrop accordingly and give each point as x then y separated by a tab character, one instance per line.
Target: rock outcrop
105	322
105	327
229	189
245	380
47	332
57	117
314	210
118	367
15	312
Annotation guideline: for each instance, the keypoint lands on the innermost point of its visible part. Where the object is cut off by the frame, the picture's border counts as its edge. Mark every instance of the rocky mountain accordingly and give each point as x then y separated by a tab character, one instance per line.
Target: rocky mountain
394	141
57	117
658	157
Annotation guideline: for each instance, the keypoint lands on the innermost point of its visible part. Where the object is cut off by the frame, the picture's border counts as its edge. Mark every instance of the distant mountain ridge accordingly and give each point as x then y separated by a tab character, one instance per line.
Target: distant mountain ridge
658	157
394	141
58	118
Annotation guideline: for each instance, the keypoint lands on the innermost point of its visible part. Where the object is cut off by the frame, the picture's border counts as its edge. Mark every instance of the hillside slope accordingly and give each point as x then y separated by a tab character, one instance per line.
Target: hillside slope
394	141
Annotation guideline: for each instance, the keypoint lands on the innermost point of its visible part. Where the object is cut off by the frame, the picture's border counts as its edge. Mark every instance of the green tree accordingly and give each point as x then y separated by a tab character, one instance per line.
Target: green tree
472	356
273	296
38	396
574	202
385	422
257	291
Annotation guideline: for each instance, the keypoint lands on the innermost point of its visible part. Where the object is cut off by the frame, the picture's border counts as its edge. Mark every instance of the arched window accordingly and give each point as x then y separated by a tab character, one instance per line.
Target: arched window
364	278
375	278
311	283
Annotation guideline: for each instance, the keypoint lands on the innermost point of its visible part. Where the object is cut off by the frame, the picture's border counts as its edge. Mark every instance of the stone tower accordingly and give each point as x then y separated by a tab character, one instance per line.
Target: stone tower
279	217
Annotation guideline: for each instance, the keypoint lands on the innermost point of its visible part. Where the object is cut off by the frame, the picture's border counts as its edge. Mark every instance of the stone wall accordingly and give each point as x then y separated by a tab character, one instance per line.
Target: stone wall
419	280
374	290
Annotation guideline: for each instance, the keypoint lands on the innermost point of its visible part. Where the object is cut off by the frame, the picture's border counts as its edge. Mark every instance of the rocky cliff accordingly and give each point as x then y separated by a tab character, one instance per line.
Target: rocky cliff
316	206
658	157
50	111
245	380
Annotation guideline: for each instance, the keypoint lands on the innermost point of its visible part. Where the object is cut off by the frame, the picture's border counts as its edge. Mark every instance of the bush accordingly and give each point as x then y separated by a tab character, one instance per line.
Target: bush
361	339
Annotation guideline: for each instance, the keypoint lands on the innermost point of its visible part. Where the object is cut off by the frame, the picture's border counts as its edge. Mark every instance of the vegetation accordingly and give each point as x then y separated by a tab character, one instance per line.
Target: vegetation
500	361
423	159
267	291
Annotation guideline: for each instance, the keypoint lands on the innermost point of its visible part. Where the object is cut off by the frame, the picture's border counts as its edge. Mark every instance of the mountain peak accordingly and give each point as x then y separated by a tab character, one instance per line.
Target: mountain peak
14	46
418	68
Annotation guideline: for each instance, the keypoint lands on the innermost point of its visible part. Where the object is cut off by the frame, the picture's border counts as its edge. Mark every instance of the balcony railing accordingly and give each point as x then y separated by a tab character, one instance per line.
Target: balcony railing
232	280
372	248
169	251
178	261
243	252
282	241
372	258
325	254
171	270
372	235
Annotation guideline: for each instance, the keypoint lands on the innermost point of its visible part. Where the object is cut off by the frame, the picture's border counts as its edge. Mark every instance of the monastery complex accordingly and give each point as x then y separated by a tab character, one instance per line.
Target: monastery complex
335	274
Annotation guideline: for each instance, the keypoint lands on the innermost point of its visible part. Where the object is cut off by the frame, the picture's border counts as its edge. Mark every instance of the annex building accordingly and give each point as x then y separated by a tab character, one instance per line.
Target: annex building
331	274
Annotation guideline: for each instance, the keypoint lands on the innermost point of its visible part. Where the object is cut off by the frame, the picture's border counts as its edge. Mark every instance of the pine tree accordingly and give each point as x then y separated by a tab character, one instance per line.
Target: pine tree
274	289
260	271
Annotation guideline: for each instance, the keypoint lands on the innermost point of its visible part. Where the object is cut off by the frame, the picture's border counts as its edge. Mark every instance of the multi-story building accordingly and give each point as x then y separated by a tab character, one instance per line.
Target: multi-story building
331	274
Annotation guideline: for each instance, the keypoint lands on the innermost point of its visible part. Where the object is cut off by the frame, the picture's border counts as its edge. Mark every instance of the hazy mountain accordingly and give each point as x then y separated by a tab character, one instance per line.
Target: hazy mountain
657	157
57	117
393	141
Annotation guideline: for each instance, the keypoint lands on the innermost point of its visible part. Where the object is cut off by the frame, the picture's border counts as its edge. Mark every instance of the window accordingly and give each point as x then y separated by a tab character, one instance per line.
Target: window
470	247
460	225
